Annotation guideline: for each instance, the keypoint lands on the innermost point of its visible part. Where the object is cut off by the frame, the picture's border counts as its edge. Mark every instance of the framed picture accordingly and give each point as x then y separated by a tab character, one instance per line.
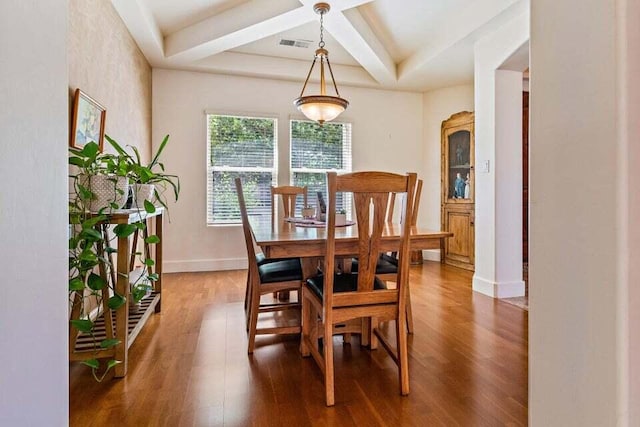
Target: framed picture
88	119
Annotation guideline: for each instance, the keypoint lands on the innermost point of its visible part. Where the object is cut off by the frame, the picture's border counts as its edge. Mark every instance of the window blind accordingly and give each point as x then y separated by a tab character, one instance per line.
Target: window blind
242	147
315	150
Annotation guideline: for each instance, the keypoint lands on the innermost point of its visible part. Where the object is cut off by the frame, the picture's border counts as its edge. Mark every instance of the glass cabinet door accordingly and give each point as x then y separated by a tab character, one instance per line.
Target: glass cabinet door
459	165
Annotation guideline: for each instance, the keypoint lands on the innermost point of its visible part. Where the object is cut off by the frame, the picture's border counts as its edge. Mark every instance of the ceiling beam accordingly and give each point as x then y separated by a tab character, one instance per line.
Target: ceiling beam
468	21
354	34
244	24
349	28
143	28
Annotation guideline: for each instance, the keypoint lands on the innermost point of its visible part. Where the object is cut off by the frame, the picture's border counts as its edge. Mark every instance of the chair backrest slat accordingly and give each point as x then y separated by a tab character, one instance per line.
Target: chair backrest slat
246	228
370	211
416	203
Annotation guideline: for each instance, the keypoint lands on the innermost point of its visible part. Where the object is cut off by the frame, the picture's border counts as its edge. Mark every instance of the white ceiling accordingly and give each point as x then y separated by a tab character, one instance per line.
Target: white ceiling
394	44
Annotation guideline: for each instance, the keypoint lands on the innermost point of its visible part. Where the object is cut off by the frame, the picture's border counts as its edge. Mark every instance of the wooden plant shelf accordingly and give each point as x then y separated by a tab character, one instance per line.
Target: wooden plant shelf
137	319
125	324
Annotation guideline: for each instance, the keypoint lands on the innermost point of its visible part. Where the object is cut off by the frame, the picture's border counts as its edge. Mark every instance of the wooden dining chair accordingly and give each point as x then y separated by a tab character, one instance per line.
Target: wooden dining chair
357	302
266	278
387	264
289	195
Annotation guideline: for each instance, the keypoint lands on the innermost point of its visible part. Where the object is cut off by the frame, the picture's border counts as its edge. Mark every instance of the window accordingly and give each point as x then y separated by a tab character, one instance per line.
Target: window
314	151
244	147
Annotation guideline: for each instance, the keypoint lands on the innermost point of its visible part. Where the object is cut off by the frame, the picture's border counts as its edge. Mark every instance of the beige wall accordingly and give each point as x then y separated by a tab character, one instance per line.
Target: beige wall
387	134
438	106
106	63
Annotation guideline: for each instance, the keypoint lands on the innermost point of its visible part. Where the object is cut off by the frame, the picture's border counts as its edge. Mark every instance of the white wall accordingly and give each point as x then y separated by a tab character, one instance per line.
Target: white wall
498	127
33	213
387	134
576	198
438	106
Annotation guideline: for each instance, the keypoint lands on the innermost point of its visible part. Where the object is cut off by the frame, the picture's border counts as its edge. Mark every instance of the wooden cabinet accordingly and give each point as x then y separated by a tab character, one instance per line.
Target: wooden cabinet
458	185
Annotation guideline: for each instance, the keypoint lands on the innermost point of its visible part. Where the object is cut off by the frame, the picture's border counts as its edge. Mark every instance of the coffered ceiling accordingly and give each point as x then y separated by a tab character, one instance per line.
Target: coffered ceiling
391	44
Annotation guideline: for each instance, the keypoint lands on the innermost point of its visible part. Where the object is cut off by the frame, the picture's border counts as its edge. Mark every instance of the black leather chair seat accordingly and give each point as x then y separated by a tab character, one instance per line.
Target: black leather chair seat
284	270
261	259
347	282
386	264
391	259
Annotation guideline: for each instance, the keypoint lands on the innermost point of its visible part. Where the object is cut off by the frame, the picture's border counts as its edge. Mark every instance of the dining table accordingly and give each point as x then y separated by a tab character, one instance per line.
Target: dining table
285	239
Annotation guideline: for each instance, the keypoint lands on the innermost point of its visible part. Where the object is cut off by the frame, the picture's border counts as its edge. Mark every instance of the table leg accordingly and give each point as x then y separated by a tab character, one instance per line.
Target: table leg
122	313
416	257
158	264
309	266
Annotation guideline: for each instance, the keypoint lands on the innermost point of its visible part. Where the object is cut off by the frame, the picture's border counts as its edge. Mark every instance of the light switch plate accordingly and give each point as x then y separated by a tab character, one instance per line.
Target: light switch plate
485	166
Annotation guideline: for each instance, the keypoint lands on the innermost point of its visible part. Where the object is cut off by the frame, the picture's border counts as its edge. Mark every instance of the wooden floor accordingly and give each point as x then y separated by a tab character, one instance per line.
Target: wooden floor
189	366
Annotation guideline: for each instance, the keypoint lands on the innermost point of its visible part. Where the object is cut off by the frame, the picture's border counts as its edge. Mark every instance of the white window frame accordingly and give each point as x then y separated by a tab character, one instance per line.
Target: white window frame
347	154
211	169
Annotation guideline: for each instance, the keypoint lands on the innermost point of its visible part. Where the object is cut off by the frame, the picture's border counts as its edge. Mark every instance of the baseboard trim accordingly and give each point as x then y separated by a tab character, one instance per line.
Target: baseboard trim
184	266
498	289
431	255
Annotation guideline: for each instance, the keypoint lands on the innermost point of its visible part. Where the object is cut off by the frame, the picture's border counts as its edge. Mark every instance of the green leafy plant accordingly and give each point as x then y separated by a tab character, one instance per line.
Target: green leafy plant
90	249
152	173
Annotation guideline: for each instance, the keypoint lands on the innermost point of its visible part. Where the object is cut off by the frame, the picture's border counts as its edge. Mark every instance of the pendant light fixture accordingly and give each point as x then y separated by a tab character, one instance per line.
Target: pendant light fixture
321	108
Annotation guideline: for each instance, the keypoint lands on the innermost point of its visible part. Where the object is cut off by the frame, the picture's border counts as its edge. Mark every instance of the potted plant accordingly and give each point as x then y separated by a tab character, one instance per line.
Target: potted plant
99	186
89	248
147	179
101	179
308	211
341	217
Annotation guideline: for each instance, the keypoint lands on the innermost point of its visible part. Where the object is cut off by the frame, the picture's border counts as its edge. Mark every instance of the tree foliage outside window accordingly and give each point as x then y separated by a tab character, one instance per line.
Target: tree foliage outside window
314	151
242	147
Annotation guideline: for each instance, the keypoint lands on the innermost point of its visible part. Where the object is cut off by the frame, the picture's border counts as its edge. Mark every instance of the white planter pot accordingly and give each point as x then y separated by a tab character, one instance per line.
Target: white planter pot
107	189
308	212
341	219
142	192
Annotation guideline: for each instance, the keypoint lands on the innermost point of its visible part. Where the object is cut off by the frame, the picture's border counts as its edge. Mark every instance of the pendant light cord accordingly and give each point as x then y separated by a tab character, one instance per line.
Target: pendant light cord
321	44
324	57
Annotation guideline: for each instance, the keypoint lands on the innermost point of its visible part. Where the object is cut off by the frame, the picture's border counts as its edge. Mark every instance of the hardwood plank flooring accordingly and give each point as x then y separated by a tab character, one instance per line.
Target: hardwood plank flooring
189	365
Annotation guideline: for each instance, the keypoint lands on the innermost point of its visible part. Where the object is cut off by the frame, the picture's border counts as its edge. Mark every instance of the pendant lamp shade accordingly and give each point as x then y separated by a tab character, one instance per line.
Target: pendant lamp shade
321	108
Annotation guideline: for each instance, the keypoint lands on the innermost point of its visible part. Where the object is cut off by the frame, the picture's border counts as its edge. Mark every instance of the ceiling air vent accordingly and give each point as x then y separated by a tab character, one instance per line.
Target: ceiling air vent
304	44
